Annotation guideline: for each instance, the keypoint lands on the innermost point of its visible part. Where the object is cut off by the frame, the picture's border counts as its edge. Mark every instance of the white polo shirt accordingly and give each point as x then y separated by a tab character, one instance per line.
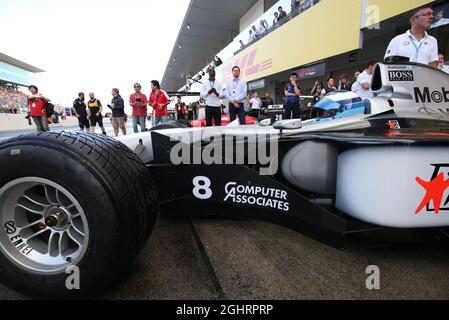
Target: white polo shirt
212	100
256	103
252	37
406	45
364	77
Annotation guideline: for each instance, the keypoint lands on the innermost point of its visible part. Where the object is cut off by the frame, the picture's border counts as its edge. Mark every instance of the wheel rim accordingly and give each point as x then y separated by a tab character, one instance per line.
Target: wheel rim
43	227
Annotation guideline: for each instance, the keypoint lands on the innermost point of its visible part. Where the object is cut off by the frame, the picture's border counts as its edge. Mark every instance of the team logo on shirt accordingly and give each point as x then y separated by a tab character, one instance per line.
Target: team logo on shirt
406	43
401	76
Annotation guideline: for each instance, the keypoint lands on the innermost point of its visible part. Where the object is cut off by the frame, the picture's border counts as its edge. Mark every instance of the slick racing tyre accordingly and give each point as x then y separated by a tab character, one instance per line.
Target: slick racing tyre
75	209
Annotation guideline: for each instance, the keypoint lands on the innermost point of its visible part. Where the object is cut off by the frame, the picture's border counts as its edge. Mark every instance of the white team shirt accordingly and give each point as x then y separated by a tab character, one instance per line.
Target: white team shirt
364	77
406	45
256	103
211	99
252	37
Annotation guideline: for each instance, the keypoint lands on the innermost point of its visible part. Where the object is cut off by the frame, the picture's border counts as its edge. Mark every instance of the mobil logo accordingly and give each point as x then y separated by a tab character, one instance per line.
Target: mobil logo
426	95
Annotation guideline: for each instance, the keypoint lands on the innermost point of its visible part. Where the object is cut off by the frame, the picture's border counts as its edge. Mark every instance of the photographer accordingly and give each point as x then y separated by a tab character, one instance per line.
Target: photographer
316	91
139	103
36	107
343	84
282	14
212	91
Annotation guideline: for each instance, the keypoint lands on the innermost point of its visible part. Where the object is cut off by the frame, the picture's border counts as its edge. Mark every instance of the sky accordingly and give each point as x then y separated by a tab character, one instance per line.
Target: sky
91	45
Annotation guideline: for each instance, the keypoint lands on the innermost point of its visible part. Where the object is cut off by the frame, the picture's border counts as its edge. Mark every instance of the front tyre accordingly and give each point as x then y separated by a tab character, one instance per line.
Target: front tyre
71	199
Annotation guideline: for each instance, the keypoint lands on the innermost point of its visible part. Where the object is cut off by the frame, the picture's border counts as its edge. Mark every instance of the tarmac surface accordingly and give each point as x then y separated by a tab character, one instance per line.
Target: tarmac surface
216	258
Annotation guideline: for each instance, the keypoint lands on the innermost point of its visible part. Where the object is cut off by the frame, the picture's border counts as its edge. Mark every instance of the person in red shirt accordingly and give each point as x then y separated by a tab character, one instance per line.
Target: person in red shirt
36	107
139	103
159	102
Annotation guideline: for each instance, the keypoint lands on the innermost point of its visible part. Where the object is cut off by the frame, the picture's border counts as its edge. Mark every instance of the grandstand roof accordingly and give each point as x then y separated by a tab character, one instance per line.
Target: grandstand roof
208	27
18	63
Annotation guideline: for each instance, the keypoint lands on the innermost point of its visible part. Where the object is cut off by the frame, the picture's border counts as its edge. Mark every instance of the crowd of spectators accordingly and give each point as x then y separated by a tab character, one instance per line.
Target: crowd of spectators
12	100
280	17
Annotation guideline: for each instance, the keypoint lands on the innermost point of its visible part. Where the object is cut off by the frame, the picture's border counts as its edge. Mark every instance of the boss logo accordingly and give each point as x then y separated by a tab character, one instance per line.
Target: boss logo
401	75
427	96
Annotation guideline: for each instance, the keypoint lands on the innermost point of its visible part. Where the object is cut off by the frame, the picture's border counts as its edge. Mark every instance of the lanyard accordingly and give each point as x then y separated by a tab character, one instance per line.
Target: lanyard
417	48
235	85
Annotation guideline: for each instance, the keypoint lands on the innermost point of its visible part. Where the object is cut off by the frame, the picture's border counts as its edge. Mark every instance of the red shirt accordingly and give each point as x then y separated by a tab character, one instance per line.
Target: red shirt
37	107
141	109
160	99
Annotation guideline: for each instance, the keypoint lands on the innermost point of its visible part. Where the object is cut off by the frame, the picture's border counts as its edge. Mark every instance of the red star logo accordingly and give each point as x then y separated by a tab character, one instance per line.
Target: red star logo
434	192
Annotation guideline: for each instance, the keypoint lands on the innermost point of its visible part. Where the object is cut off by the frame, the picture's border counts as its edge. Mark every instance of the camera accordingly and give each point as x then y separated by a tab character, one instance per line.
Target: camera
28	117
139	100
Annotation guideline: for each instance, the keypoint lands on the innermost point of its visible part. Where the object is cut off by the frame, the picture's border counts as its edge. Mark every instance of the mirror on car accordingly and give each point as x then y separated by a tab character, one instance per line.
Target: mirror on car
288	124
264	122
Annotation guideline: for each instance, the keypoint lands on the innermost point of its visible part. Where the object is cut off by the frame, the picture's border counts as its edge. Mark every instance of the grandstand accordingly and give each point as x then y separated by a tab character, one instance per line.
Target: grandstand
317	40
14	75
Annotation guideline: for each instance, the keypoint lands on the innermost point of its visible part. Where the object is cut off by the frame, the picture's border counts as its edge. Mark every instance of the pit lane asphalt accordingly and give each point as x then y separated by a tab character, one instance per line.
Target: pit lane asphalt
216	258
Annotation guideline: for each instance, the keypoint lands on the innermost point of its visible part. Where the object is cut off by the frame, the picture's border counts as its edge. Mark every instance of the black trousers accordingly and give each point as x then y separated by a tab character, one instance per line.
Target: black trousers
240	112
291	110
213	113
94	120
83	121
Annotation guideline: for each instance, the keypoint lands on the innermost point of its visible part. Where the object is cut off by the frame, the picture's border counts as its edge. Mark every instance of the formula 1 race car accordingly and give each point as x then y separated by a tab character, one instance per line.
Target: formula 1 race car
87	203
225	120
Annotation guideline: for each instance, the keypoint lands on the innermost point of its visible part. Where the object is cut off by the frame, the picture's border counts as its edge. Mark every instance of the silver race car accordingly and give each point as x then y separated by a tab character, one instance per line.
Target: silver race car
71	201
